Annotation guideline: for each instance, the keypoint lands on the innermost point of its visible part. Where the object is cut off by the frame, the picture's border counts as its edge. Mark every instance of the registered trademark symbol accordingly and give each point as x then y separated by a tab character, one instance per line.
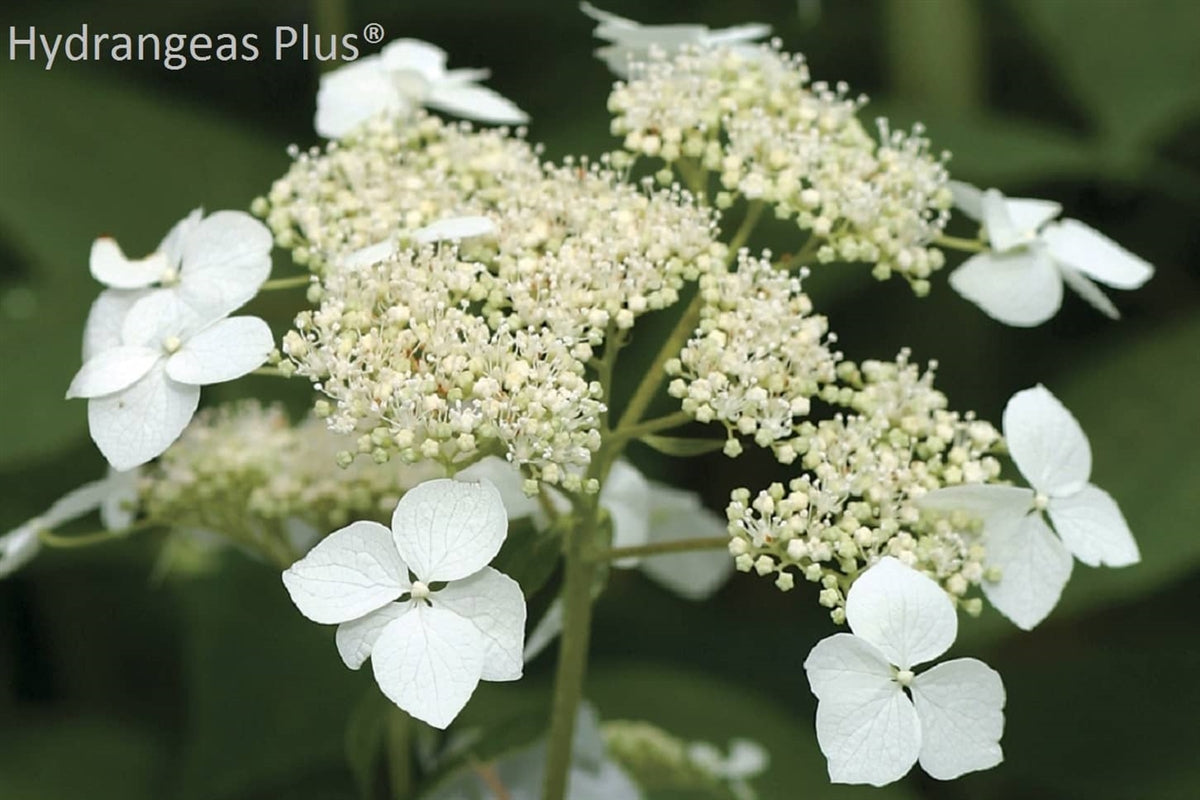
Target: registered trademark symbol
373	32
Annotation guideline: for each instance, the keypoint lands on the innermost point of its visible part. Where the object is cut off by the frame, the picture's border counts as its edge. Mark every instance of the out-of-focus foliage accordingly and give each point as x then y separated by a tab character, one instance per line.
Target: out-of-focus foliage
112	686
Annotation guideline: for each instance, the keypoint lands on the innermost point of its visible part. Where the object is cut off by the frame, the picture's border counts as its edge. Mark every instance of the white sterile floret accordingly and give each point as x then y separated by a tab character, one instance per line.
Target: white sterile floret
419	600
143	390
1051	451
214	264
867	726
747	759
1019	280
403	77
632	41
114	496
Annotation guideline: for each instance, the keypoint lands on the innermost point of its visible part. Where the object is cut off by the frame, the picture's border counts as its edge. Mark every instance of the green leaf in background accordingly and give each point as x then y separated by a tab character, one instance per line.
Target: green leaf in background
681	446
101	157
1134	65
529	555
365	735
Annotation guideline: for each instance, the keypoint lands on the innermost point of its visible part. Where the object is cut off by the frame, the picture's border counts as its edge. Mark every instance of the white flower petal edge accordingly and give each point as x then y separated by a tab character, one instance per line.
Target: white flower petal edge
1046	442
356	638
109	265
1022	289
353	571
493	603
867	727
446	529
114	496
137	424
674	515
429	661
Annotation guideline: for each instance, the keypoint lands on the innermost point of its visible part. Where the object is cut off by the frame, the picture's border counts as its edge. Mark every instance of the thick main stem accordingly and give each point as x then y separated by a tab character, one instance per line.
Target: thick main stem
579	574
397	750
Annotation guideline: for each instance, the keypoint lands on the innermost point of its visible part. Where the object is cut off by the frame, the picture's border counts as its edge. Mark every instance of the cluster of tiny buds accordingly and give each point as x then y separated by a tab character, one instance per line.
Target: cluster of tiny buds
855	501
751	117
757	357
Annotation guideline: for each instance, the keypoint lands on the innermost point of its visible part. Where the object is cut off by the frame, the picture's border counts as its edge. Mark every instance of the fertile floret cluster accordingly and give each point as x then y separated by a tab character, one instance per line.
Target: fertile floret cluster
863	472
758	356
751	117
247	472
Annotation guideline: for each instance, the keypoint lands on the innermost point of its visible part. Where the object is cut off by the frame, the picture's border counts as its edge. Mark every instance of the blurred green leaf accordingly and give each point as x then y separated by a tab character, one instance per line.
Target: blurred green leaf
1133	64
365	740
101	157
81	757
681	446
528	556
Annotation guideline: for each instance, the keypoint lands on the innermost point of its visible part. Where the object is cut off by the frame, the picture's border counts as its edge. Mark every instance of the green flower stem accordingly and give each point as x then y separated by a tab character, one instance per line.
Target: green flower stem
56	540
398	752
579	574
331	19
273	372
646	427
959	243
286	283
678	546
742	234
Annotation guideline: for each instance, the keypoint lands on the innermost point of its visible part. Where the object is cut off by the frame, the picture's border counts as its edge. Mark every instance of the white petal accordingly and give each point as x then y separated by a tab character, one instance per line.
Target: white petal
105	319
626	497
493	603
109	265
1088	291
350	95
902	612
356	638
370	255
600	15
157	317
545	632
138	423
19	546
506	477
1095	255
119	506
1093	528
675	515
1034	569
226	258
1046	442
872	738
1021	288
968	199
476	102
172	244
446	529
454	229
997	506
746	32
429	662
416	55
1028	215
227	349
844	666
76	503
351	572
112	370
960	704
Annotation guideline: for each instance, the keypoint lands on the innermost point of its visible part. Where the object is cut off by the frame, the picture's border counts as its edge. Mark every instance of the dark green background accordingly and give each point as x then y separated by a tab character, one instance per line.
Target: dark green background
112	686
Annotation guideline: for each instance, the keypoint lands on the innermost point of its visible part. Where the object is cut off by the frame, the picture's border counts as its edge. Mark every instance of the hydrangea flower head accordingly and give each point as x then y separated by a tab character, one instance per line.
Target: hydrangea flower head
1019	281
875	717
419	600
1051	451
406	75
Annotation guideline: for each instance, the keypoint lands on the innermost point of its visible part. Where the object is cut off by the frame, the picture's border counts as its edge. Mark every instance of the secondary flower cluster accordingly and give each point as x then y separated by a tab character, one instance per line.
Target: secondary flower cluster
856	500
752	117
757	357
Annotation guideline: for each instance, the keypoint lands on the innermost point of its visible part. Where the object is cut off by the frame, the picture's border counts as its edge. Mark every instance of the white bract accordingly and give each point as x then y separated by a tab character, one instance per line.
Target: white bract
429	644
213	264
450	229
1019	280
143	390
867	726
406	75
632	41
114	496
1051	451
747	759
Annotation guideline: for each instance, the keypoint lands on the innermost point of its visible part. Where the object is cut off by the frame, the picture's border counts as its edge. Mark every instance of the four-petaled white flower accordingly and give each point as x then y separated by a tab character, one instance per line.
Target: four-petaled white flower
1051	451
1019	281
867	726
632	41
404	76
114	496
147	351
419	600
